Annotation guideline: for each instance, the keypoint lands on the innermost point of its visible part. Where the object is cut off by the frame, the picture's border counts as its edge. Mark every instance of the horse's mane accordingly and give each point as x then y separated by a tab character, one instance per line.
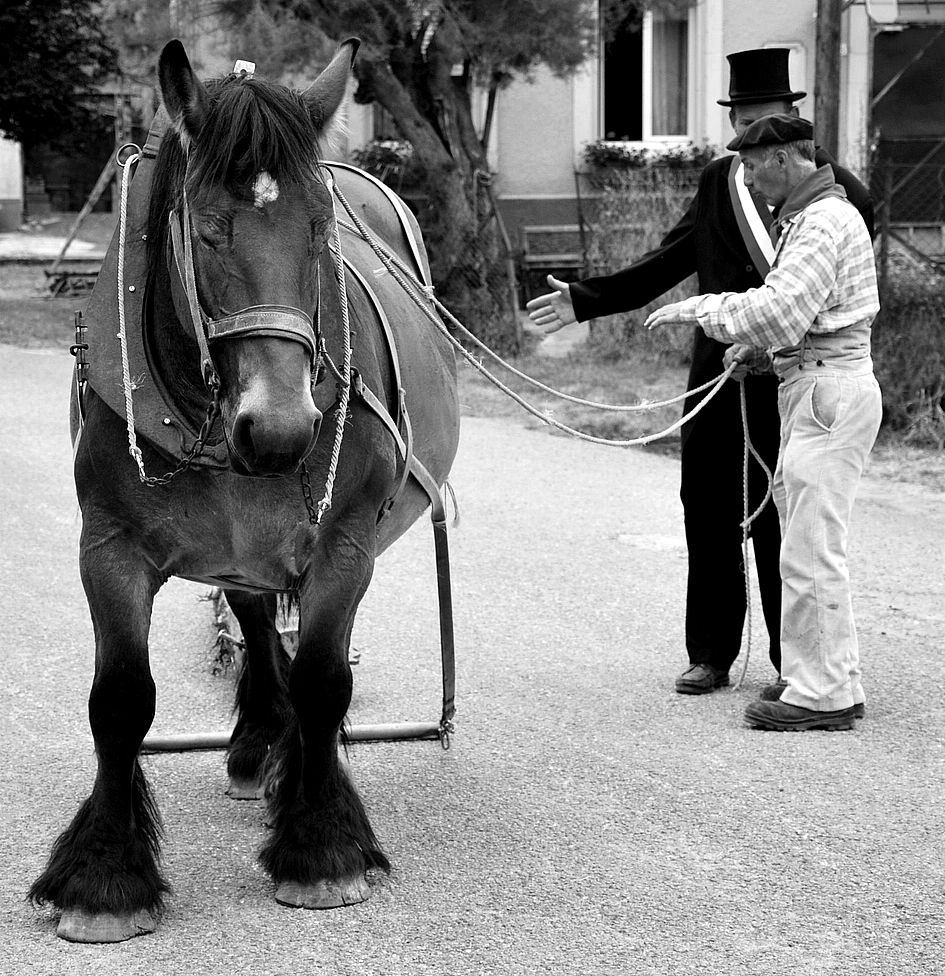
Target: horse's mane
251	126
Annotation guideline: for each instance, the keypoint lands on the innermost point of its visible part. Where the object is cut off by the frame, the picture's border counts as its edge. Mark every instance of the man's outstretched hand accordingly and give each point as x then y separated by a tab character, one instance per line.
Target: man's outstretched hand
552	311
667	315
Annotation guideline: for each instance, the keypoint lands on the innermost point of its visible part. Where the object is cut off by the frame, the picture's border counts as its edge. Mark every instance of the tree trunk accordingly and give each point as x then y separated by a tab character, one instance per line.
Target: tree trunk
466	258
827	76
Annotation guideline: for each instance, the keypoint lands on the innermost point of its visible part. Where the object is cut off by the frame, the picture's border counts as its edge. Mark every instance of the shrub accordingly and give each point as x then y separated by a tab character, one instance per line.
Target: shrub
604	155
390	160
909	354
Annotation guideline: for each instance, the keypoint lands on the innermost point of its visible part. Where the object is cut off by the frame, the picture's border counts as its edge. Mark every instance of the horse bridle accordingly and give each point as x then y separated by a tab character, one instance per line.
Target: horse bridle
280	321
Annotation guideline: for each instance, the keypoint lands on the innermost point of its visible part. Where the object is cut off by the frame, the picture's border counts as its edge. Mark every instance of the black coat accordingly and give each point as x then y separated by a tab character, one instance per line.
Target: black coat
707	242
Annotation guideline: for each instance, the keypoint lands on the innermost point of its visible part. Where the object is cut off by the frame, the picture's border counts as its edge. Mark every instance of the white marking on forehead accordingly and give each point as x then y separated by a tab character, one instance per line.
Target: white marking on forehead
265	190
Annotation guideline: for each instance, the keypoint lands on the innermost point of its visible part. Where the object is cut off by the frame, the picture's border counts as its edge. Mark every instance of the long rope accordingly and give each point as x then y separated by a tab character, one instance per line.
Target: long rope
423	297
749	451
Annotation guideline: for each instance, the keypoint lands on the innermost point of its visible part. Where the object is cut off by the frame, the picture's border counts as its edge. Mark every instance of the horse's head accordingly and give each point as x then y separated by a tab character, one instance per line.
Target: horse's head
248	221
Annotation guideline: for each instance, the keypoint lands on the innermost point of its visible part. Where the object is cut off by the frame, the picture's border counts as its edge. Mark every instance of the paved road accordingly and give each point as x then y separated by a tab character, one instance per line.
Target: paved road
586	821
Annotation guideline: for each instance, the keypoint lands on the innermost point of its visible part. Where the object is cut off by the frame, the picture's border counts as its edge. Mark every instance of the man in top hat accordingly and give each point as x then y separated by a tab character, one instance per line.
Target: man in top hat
723	237
813	315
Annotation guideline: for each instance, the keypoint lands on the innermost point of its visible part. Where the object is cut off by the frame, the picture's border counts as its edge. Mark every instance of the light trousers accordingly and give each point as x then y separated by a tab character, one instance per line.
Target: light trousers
830	416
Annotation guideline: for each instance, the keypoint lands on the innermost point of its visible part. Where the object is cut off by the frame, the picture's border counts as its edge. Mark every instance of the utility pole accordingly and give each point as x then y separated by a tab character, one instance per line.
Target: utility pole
827	76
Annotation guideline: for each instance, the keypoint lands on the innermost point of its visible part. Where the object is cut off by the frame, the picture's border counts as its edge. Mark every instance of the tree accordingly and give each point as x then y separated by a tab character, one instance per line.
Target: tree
53	55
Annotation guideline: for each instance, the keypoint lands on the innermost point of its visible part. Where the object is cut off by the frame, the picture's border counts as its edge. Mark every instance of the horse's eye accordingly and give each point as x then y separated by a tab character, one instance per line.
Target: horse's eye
213	231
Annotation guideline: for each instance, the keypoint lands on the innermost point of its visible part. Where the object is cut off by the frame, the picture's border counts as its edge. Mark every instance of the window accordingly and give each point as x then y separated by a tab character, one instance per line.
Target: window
646	77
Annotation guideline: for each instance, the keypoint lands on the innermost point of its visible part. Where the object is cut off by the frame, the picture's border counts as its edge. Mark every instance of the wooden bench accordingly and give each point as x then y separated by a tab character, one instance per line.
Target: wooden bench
549	249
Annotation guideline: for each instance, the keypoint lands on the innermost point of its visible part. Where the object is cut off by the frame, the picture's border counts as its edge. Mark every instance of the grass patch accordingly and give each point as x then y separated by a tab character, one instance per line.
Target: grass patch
585	375
29	316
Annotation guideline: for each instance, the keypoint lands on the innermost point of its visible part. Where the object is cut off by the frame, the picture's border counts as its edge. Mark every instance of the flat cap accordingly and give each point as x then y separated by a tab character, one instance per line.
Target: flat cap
773	130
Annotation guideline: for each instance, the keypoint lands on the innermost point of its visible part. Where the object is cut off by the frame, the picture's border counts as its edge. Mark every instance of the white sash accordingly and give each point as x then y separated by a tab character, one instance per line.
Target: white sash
750	223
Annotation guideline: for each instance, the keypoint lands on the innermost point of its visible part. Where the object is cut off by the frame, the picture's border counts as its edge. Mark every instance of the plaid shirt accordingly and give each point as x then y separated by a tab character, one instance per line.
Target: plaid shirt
823	280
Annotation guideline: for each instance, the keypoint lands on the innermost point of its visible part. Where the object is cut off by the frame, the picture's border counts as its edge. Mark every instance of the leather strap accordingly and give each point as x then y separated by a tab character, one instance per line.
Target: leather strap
183	253
281	321
444	588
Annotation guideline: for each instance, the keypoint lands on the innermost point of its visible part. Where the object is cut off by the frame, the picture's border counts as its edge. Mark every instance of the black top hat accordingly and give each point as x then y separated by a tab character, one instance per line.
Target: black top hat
760	75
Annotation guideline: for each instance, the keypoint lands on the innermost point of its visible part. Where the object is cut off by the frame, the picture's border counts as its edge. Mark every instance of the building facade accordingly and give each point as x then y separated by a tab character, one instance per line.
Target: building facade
656	86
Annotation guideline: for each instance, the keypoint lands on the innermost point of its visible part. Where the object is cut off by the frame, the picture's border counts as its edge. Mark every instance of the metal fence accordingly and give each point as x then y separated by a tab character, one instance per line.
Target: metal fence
910	213
907	180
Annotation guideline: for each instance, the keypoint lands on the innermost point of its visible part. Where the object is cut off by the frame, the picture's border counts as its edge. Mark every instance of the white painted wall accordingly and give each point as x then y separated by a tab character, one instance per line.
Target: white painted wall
11	185
535	136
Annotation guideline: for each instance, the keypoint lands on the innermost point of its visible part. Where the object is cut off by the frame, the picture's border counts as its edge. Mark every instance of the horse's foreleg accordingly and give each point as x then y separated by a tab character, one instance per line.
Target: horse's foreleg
322	842
261	695
103	871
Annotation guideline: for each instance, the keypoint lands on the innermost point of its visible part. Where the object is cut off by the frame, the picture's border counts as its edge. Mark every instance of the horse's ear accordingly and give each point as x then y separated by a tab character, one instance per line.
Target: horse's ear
326	93
184	96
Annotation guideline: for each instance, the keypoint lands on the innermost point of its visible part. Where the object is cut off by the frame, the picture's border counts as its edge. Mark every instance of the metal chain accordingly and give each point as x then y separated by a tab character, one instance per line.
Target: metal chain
306	483
196	449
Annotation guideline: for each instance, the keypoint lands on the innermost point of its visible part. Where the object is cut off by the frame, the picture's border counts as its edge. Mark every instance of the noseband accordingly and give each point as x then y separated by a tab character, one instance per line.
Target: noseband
279	321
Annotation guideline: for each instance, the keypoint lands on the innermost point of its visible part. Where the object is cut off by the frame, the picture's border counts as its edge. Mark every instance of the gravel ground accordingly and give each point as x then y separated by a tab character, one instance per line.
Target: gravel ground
586	820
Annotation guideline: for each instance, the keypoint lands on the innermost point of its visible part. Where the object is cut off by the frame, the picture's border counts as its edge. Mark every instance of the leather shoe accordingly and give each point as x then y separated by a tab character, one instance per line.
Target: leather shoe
779	716
773	692
700	679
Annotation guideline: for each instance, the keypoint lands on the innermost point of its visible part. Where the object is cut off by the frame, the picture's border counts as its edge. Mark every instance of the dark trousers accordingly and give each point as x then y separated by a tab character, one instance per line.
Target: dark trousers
712	497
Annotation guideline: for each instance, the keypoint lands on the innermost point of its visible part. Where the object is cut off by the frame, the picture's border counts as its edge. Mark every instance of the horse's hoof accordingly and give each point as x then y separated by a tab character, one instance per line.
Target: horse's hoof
245	789
324	894
78	925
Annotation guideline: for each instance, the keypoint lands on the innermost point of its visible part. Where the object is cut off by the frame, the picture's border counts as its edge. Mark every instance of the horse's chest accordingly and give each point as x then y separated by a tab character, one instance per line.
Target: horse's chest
230	541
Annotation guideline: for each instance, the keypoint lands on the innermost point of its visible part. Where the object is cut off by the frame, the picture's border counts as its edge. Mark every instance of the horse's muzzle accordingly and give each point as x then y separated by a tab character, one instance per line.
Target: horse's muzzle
270	444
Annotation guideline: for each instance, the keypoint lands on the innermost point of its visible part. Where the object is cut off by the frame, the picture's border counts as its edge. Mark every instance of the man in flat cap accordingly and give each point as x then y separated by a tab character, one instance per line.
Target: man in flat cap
813	315
723	237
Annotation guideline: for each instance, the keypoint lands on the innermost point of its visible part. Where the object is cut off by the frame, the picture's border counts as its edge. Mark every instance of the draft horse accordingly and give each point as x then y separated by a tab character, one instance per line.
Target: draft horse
239	180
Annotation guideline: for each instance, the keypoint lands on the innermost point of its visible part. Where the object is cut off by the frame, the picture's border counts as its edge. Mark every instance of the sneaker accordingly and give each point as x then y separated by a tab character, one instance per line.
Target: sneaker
773	692
700	679
778	716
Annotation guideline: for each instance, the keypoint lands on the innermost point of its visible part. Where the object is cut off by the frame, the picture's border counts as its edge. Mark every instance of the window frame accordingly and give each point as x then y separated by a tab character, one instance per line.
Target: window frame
648	139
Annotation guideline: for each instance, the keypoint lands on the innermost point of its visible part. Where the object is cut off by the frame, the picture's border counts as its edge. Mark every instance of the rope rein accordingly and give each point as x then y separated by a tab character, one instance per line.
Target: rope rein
422	294
343	375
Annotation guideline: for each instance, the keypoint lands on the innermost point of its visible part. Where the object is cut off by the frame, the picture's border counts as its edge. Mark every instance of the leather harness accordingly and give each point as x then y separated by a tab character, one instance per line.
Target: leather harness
159	421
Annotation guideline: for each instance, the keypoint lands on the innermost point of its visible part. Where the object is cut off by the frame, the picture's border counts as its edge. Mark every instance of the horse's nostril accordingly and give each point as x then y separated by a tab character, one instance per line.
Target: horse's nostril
273	443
